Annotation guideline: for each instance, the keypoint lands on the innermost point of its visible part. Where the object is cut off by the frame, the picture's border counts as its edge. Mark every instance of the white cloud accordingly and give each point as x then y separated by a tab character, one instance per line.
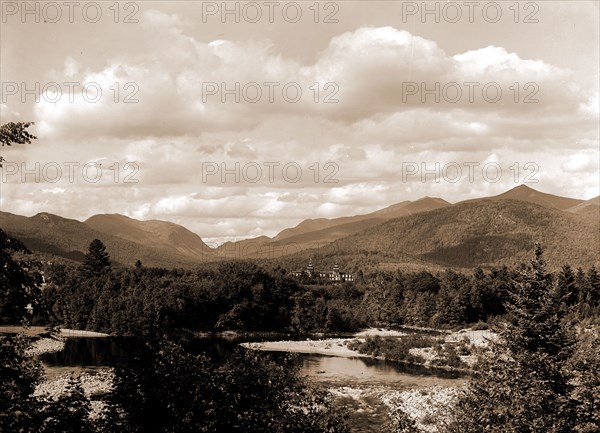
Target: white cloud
582	162
373	129
367	71
592	105
8	115
54	190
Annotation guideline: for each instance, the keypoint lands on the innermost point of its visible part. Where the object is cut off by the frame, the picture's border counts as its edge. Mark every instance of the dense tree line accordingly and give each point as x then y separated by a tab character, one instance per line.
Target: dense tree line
243	296
18	286
537	363
540	376
143	301
162	386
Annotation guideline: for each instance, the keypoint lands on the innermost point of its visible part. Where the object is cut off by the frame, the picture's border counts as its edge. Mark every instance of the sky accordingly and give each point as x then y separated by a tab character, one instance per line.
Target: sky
240	119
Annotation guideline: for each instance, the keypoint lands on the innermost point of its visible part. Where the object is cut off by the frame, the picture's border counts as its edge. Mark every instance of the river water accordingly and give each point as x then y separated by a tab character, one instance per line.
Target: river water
357	382
93	353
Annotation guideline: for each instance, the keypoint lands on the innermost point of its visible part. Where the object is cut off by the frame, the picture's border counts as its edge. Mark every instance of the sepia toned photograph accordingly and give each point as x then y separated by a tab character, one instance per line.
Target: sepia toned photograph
311	216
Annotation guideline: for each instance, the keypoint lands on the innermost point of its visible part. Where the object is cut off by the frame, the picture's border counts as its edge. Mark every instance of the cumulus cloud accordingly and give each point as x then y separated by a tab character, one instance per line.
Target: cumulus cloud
157	103
194	87
582	162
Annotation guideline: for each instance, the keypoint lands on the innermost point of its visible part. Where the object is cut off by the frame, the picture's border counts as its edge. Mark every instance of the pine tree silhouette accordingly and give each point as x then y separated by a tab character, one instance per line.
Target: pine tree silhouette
96	261
525	385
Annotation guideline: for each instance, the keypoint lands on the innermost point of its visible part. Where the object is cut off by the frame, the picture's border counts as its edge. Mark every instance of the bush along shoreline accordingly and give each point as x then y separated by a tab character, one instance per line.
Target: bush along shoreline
431	352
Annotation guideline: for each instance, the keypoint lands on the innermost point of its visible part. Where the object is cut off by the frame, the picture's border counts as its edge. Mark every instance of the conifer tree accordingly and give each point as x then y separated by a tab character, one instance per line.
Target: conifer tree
19	375
593	296
17	287
524	386
567	286
96	261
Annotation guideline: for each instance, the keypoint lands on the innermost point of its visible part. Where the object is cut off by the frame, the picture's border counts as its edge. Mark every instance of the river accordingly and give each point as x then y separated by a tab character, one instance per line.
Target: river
358	383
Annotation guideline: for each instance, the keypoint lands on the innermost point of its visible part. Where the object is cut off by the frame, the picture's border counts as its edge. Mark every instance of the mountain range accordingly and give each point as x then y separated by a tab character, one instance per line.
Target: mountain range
429	232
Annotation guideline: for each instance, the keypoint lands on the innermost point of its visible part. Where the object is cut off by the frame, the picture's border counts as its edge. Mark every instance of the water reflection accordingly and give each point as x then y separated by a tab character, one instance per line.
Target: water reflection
366	371
91	351
102	352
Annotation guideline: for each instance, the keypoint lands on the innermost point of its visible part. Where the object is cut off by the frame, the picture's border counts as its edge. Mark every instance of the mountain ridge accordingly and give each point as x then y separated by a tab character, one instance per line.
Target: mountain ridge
487	233
163	243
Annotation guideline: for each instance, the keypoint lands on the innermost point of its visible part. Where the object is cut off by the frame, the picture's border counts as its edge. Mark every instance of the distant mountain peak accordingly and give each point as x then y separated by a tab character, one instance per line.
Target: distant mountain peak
526	193
523	187
110	215
499	227
430	199
150	233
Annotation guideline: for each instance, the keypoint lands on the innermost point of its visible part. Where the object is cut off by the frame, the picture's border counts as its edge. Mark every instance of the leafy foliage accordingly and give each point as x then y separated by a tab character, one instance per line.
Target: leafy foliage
167	389
395	349
19	374
17	287
15	133
68	412
525	386
401	422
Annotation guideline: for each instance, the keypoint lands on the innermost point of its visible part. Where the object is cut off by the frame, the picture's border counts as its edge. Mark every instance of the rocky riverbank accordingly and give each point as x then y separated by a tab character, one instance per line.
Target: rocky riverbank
428	407
95	386
46	345
471	343
323	346
374	407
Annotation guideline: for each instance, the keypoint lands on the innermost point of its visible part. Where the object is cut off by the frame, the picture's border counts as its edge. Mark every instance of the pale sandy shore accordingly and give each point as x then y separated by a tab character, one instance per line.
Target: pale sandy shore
328	346
65	332
40	330
372	332
480	338
338	346
325	346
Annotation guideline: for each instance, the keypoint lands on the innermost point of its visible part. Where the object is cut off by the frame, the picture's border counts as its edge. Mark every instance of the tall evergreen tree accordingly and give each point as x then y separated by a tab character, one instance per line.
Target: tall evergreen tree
593	297
567	286
584	291
524	386
17	287
96	261
586	368
19	375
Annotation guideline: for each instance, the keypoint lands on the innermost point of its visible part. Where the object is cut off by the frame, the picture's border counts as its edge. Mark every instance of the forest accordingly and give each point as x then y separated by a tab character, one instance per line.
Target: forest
543	359
242	296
